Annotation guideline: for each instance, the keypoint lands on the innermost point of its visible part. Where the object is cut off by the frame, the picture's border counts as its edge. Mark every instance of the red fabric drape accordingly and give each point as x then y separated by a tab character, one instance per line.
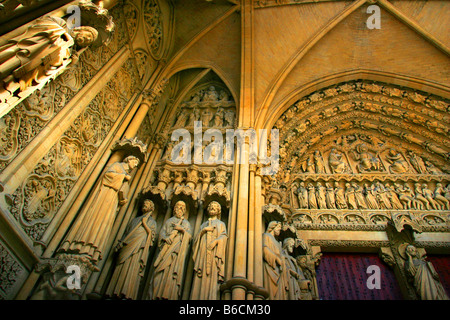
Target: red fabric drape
343	276
441	264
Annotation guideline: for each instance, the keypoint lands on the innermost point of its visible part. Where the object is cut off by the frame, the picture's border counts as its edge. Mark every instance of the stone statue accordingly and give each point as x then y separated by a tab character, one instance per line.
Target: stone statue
367	162
133	254
209	256
318	162
423	276
398	164
428	194
218	118
336	163
341	202
33	56
371	199
90	232
211	94
206	117
392	197
439	196
423	202
174	240
308	266
382	197
193	116
417	163
320	196
359	197
350	196
290	272
273	263
330	197
431	168
302	195
312	202
229	118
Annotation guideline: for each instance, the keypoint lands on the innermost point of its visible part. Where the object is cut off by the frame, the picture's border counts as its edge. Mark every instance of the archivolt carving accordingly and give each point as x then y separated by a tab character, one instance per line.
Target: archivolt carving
358	155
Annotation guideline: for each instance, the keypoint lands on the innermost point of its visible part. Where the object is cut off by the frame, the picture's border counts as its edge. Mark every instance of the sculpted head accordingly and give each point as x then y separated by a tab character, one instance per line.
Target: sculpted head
148	206
411	250
132	162
180	209
214	209
84	36
288	244
275	227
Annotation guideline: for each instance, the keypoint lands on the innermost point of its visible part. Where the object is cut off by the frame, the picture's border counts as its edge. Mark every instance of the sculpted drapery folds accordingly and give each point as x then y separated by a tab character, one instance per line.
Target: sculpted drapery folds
273	263
90	232
294	280
423	276
133	254
174	240
35	55
209	256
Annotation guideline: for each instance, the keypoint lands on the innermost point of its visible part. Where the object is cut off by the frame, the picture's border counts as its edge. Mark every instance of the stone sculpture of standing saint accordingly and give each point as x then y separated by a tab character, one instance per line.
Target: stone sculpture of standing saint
90	232
209	256
273	263
425	279
174	240
133	254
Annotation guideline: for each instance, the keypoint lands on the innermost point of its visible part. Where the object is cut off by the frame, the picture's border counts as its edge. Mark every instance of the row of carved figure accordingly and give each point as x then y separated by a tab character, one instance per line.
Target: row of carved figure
217	119
373	196
283	277
175	237
368	162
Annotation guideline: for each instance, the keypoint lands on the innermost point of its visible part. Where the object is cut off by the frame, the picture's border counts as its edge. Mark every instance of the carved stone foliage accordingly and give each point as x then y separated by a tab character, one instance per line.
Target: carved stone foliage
131	14
47	187
143	62
28	118
153	27
10	272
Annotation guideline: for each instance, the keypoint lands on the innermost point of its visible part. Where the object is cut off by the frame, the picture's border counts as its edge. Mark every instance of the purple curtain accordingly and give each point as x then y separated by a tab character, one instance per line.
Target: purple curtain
343	276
